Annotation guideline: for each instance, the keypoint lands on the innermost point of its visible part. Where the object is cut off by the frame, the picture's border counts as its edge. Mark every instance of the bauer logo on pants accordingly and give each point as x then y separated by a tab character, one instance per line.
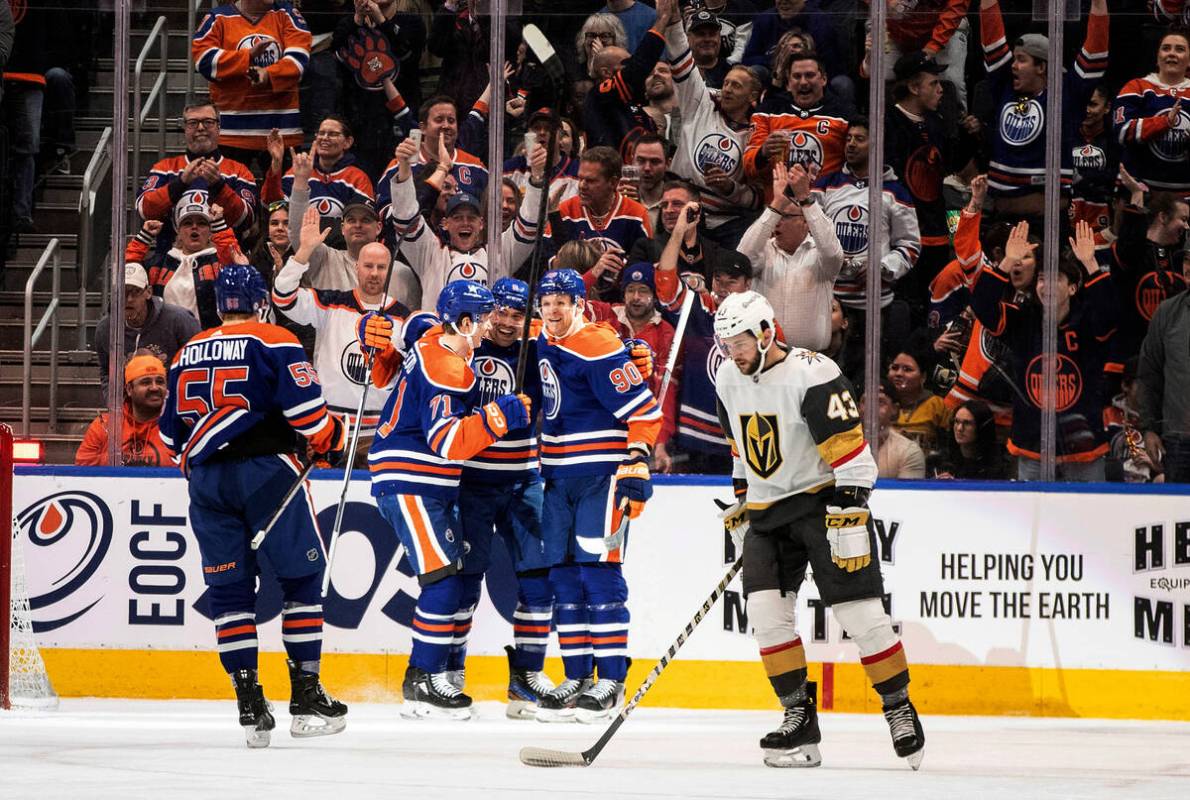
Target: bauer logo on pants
762	443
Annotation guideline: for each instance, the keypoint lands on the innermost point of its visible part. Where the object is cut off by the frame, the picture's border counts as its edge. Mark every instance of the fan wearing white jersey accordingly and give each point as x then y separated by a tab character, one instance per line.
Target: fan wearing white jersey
802	474
464	256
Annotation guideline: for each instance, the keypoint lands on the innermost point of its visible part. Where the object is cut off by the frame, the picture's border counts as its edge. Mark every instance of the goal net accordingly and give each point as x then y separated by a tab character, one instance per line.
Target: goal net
24	682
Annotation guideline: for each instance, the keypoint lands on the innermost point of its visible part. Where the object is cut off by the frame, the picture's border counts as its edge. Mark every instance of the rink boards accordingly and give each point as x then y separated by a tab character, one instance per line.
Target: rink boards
1069	602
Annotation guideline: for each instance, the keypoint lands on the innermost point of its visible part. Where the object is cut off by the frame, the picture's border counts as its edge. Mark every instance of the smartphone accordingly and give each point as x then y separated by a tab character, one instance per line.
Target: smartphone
415	137
530	140
691	214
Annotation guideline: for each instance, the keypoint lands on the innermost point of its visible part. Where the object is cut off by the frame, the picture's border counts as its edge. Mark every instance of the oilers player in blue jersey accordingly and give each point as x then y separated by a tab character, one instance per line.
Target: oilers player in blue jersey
428	428
243	401
599	424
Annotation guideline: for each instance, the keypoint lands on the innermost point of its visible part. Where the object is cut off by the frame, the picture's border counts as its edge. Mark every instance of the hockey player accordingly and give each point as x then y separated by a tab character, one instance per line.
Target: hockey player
335	314
428	429
464	256
600	422
239	395
802	476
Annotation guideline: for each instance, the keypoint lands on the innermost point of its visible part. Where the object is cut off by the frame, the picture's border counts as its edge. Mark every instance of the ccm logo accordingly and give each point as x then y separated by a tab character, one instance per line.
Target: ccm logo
839	521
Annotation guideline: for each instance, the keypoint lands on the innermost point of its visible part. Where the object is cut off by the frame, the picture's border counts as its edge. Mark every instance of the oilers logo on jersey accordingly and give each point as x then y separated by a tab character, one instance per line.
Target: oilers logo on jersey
851	227
467	271
715	359
1069	382
805	149
495	378
762	443
269	55
1089	158
1171	146
327	206
551	390
355	367
717	150
1021	122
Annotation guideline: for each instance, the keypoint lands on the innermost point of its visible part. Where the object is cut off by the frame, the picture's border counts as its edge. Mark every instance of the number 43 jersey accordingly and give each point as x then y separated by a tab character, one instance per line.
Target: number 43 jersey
795	429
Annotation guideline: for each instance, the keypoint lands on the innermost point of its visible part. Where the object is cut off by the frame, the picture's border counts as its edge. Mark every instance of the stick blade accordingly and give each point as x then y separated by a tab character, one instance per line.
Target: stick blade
544	757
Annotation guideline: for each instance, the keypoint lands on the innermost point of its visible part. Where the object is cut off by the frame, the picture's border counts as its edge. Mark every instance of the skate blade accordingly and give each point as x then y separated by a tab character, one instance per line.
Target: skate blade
308	725
555	715
422	710
914	759
592	717
805	756
521	709
256	738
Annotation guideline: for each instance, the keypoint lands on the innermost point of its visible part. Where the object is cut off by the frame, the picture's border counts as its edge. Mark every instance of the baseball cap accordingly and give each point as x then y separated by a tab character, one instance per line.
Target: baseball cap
1034	44
638	272
733	267
185	210
701	19
540	115
912	63
460	199
135	275
365	208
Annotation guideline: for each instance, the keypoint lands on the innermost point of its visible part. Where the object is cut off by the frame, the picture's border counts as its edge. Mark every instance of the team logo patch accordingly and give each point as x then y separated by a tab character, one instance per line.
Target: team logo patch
762	443
715	359
851	226
449	535
1089	158
805	149
328	206
1172	145
1151	291
1021	123
67	536
717	150
468	271
495	377
1069	382
193	197
312	554
271	53
924	173
352	363
551	389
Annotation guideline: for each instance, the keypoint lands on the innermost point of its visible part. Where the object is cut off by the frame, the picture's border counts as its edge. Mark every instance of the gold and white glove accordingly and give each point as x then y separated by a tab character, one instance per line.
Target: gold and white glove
847	533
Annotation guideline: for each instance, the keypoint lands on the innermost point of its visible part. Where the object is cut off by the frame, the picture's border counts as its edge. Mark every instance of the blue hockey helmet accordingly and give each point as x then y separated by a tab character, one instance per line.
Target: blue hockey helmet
416	325
511	293
239	289
562	281
464	298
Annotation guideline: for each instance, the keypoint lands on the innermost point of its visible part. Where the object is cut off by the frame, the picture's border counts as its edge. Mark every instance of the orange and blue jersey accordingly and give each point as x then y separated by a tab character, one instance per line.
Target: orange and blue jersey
627	222
241	390
221	51
514	458
1154	150
594	403
427	427
330	190
163	190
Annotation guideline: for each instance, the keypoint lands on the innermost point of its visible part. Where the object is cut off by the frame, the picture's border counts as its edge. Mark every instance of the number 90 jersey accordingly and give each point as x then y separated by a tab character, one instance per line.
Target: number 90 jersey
795	429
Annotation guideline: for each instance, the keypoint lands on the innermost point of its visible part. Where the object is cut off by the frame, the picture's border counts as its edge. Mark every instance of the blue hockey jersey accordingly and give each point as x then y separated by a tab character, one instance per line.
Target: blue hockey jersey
512	459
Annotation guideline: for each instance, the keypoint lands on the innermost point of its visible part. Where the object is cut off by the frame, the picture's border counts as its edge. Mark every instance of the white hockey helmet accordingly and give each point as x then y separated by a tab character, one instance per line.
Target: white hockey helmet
743	312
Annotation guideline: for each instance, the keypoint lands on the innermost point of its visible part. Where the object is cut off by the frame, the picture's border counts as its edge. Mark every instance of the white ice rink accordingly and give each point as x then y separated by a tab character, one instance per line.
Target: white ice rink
132	749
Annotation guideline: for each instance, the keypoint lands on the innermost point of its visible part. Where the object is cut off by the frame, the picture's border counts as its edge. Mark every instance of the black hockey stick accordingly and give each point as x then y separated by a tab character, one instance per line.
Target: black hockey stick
544	757
293	490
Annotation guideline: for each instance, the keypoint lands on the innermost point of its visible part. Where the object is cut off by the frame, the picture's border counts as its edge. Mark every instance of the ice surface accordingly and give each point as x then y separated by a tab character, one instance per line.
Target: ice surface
173	749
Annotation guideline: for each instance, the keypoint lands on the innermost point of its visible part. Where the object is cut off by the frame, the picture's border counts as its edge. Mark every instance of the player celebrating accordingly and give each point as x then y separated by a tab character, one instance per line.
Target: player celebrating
238	396
803	473
428	429
600	422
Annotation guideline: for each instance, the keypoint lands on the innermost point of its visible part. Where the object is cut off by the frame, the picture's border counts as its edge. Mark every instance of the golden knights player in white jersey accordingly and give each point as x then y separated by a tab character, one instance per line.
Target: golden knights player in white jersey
802	475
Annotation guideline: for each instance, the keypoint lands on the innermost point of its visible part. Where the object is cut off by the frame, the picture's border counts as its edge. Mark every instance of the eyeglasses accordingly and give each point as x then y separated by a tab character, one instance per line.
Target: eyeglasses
206	122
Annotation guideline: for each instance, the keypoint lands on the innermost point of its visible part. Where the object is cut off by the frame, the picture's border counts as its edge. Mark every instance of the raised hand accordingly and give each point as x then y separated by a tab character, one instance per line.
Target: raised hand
1018	245
799	182
780	182
979	191
1083	245
536	160
303	166
311	235
275	144
404	154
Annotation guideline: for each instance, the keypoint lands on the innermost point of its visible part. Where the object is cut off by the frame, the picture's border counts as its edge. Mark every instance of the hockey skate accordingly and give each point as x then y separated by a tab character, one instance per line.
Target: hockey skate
433	696
457	678
313	711
524	688
256	716
909	740
558	705
600	701
795	742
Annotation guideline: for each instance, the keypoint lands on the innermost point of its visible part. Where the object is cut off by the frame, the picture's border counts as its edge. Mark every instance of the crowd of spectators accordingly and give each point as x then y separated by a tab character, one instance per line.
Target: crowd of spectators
713	146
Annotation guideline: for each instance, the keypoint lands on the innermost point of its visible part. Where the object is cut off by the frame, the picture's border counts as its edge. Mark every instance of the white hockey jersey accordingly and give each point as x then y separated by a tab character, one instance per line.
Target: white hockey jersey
708	139
338	358
437	264
795	429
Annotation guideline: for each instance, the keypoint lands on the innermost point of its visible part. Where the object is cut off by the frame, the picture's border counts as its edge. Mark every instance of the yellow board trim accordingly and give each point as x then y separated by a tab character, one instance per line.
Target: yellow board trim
366	677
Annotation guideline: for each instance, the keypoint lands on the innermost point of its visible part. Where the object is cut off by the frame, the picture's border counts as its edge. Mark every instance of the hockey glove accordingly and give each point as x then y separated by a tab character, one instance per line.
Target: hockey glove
375	332
847	533
634	484
332	445
507	413
735	521
368	55
641	355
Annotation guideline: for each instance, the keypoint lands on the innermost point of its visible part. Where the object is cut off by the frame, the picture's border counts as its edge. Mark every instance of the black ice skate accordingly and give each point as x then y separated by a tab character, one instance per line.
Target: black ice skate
909	741
558	705
433	696
600	701
256	716
795	742
524	688
314	712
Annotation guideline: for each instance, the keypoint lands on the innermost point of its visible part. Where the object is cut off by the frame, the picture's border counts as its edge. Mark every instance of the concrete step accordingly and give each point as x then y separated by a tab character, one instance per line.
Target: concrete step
177	39
12	332
175	77
101	101
73	389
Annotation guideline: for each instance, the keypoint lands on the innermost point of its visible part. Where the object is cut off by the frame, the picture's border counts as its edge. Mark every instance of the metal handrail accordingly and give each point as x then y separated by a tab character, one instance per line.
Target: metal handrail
191	26
140	112
50	318
97	170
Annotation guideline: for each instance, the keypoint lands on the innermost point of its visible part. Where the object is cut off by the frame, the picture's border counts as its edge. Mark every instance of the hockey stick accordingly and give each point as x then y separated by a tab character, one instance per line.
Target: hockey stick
544	757
675	346
293	490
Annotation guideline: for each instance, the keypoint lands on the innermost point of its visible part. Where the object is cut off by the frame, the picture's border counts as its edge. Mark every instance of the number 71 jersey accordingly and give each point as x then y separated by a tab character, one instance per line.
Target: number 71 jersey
797	428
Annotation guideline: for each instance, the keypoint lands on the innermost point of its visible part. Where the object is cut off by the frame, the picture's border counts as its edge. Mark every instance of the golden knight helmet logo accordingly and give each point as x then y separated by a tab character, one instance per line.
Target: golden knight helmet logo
762	443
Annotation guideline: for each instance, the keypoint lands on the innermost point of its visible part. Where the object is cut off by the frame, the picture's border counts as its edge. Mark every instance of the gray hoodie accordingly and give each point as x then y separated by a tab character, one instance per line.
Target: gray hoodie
167	327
